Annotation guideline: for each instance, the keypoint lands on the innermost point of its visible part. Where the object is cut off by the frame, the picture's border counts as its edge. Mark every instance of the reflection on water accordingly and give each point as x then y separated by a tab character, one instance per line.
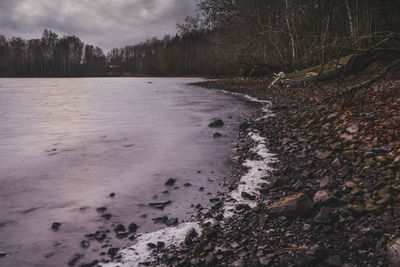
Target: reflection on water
66	144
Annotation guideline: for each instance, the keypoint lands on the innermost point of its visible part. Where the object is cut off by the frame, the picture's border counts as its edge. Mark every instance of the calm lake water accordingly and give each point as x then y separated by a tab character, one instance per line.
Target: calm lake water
66	144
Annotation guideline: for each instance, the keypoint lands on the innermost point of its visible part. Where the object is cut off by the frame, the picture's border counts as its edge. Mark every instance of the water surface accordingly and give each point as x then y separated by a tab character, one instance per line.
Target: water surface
66	144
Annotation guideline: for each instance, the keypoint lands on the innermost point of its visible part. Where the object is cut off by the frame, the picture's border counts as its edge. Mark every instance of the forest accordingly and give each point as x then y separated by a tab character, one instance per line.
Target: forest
225	37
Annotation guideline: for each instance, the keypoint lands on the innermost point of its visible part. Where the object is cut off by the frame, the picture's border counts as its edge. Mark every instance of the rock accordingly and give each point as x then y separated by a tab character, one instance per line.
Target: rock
242	206
244	126
101	209
119	228
298	204
191	235
343	171
112	195
85	243
151	245
323	216
380	159
306	227
165	220
328	182
132	227
55	226
187	184
106	216
333	116
347	137
159	205
353	128
247	196
201	189
333	261
238	263
99	236
393	253
217	135
3	254
93	263
160	245
112	252
322	197
286	140
336	163
170	182
278	181
266	261
323	154
74	260
216	124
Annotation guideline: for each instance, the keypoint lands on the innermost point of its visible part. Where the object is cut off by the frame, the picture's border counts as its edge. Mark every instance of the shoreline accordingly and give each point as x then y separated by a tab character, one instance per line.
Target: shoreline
331	201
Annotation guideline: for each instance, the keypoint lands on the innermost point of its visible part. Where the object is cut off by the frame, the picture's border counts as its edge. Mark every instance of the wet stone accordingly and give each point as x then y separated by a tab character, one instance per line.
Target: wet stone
106	216
217	135
55	226
112	252
170	182
216	124
101	209
74	260
133	227
119	228
151	245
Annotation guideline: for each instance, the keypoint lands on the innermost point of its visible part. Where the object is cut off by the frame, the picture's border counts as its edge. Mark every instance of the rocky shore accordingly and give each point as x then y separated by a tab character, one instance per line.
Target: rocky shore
332	199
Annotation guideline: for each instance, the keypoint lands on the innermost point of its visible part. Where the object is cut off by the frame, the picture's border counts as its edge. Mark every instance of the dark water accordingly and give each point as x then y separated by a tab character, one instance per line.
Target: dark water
66	144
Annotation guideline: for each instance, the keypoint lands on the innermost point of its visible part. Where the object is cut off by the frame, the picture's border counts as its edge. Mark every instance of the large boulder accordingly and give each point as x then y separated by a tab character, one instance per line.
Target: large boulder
298	204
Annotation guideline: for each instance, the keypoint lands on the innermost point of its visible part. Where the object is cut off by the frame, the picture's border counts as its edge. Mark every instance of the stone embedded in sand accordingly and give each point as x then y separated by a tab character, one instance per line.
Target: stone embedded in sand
216	124
297	204
394	253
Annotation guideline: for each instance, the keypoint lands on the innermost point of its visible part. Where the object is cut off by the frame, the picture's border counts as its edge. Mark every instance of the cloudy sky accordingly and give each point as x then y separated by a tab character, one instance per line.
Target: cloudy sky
105	23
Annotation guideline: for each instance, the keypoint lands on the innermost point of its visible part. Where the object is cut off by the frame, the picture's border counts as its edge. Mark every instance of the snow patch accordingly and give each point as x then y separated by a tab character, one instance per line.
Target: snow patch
140	252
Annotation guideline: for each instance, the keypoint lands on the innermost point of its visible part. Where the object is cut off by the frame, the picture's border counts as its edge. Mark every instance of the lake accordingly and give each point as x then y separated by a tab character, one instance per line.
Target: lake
66	144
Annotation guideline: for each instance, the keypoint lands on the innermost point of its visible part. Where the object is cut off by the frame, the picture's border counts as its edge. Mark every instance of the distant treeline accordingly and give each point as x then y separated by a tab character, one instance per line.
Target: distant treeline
225	37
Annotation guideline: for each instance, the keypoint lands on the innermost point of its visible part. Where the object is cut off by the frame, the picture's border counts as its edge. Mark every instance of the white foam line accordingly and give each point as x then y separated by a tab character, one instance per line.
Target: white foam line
249	182
140	252
257	169
265	109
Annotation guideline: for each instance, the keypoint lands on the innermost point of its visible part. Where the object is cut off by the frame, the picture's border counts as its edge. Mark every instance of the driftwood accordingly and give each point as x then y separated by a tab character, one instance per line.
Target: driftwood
355	88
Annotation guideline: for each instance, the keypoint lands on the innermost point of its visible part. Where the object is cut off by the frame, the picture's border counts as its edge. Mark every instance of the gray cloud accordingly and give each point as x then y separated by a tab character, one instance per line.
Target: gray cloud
105	23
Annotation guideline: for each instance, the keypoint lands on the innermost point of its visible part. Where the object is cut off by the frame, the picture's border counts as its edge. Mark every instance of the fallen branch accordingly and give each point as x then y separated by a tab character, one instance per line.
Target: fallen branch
367	83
